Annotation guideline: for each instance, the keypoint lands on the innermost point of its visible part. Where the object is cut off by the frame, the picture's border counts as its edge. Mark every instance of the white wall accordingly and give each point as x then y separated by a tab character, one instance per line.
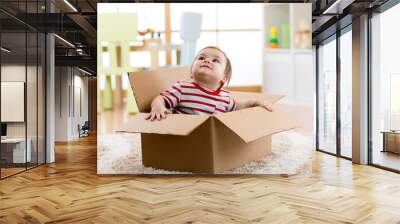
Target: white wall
82	82
69	85
14	73
80	93
62	83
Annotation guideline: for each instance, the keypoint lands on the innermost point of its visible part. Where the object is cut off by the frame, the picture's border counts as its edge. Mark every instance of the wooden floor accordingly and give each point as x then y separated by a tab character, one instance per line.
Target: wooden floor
70	191
10	171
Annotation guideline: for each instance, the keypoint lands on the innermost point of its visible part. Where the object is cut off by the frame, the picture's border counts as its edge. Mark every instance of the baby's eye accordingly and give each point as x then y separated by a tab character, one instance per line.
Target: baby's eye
216	60
201	58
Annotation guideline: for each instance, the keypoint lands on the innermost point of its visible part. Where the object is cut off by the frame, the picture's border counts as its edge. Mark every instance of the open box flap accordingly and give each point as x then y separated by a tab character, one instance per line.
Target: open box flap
256	122
174	124
146	85
240	96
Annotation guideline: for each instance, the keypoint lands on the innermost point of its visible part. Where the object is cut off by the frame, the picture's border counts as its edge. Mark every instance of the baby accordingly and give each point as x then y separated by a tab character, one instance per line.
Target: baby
203	94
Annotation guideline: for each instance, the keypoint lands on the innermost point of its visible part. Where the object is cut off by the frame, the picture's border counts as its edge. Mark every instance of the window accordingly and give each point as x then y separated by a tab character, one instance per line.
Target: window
220	27
394	101
233	34
208	11
385	85
346	94
327	97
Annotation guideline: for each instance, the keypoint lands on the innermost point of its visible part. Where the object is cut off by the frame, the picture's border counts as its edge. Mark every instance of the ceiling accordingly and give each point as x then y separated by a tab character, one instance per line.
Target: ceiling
332	15
76	22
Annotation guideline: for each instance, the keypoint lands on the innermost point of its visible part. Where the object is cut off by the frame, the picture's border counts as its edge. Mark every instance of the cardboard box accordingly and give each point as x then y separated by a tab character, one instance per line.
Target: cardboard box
201	143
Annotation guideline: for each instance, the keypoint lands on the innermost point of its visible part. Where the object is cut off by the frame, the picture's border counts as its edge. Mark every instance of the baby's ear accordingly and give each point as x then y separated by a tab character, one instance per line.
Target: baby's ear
225	79
191	72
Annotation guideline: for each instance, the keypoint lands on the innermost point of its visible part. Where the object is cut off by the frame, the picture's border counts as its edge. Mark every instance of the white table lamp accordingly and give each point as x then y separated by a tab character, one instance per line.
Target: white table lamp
190	32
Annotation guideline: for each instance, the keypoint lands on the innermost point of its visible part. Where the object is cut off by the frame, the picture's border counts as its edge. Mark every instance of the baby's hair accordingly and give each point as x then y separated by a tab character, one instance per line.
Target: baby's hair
228	67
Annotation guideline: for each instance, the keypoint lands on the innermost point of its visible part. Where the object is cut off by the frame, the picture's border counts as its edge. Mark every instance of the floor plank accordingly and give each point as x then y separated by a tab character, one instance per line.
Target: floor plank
70	191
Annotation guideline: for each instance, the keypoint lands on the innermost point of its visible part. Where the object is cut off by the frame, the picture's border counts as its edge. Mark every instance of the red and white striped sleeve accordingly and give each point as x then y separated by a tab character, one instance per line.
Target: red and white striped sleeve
232	104
172	95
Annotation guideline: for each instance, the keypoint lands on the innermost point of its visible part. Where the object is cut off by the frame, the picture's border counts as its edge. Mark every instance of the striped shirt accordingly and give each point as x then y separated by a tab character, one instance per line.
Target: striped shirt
187	97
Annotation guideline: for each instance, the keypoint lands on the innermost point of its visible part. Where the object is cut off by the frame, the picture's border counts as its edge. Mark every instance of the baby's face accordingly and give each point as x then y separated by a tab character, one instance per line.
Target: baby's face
209	67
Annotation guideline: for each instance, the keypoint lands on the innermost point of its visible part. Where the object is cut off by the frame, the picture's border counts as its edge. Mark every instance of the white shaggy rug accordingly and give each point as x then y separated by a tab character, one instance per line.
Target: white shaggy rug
120	153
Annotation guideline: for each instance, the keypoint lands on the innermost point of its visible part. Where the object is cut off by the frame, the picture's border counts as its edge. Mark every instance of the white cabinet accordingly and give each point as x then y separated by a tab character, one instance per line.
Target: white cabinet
288	69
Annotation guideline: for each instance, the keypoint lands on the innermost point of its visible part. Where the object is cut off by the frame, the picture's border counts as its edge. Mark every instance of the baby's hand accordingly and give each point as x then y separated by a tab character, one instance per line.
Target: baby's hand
268	106
158	113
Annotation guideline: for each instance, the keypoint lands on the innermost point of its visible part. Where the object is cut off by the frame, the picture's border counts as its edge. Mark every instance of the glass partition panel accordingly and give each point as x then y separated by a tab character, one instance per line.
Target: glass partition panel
32	87
31	98
22	88
41	78
14	152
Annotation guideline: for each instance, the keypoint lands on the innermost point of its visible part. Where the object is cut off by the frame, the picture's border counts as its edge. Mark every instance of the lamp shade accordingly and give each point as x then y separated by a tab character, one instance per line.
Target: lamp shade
190	25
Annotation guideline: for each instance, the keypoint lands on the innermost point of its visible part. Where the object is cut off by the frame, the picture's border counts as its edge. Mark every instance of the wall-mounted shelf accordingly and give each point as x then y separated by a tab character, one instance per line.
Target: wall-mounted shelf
287	69
293	24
